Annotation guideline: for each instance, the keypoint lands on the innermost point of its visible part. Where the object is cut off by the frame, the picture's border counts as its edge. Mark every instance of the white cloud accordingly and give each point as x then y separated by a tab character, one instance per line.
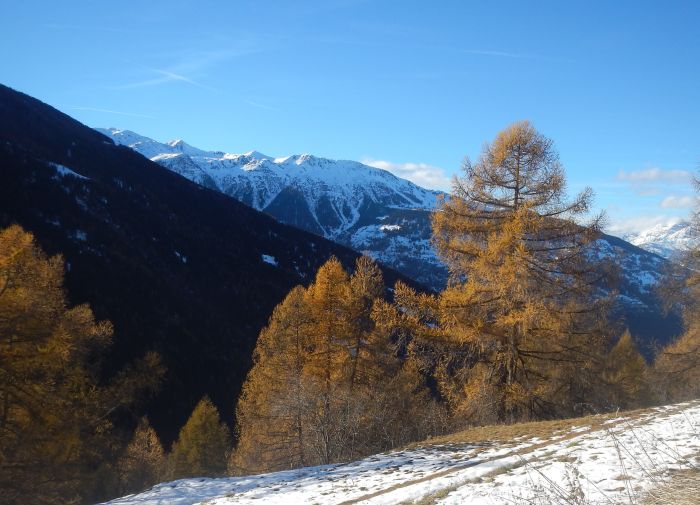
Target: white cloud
655	181
655	174
425	175
678	202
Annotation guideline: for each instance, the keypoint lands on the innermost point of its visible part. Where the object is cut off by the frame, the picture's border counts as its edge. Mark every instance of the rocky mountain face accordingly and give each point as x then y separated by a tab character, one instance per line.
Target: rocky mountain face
379	214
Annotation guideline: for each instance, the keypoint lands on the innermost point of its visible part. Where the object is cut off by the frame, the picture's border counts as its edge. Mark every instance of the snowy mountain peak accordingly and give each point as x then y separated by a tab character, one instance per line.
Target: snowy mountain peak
337	196
665	239
183	147
257	155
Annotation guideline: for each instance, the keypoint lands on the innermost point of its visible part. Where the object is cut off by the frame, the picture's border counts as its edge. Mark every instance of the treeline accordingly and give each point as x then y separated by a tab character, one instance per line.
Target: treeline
345	367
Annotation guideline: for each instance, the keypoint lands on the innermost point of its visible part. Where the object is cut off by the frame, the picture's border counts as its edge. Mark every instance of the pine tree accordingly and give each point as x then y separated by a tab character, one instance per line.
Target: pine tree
203	445
143	463
55	408
520	278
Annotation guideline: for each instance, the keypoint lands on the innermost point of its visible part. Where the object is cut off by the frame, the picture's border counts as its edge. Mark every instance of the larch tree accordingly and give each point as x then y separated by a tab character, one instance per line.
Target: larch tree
203	445
55	408
626	376
327	384
327	299
143	463
521	274
677	366
368	351
272	411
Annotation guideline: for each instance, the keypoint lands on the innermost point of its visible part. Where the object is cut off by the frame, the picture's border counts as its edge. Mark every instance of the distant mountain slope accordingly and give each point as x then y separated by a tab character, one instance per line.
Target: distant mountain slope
381	215
176	267
665	240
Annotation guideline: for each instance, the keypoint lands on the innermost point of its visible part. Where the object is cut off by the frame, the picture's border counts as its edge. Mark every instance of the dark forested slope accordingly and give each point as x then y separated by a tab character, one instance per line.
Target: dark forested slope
180	269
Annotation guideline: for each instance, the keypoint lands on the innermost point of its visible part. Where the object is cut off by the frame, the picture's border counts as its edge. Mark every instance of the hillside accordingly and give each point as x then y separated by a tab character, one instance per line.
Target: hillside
177	268
388	218
593	460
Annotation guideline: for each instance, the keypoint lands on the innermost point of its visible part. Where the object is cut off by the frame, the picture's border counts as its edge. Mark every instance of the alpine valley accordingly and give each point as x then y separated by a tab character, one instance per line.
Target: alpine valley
374	212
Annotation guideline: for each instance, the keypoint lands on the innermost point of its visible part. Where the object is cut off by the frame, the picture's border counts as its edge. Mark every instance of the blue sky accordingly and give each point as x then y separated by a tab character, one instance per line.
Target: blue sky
406	85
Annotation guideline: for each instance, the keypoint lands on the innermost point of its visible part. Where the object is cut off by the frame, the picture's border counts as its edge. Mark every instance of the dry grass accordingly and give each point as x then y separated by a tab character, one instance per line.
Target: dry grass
507	433
683	488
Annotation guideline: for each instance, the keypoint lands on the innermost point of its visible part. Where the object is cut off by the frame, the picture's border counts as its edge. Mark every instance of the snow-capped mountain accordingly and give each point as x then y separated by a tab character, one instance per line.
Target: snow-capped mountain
378	214
665	240
328	197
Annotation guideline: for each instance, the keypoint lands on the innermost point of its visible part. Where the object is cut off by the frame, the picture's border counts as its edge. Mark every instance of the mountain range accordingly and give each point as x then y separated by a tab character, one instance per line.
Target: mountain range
376	213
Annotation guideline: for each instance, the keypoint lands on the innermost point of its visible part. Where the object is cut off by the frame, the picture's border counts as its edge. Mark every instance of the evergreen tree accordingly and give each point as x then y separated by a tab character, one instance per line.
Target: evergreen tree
55	408
143	463
520	276
203	445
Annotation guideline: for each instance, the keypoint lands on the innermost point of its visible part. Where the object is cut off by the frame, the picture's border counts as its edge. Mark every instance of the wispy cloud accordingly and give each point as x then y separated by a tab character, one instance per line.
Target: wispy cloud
108	111
190	67
647	197
655	174
678	202
259	105
428	176
165	77
654	181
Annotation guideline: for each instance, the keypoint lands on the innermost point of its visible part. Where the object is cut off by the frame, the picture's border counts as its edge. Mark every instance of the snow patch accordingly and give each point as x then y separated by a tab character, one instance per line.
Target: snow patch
64	171
270	260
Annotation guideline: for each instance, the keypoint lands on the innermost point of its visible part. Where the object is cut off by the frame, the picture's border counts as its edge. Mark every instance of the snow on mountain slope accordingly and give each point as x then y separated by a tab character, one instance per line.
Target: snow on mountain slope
335	196
378	214
665	240
605	459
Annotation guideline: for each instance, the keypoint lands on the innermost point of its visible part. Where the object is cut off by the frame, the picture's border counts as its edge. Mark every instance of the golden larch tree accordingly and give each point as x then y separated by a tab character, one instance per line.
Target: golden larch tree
521	275
273	409
56	434
203	444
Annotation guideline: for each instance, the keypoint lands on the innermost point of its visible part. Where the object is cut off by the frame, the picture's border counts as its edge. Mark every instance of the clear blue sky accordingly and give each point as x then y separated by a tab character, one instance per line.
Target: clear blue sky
412	86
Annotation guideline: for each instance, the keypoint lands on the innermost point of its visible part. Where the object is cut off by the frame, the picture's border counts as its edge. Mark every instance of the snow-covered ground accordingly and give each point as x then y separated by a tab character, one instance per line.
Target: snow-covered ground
608	461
